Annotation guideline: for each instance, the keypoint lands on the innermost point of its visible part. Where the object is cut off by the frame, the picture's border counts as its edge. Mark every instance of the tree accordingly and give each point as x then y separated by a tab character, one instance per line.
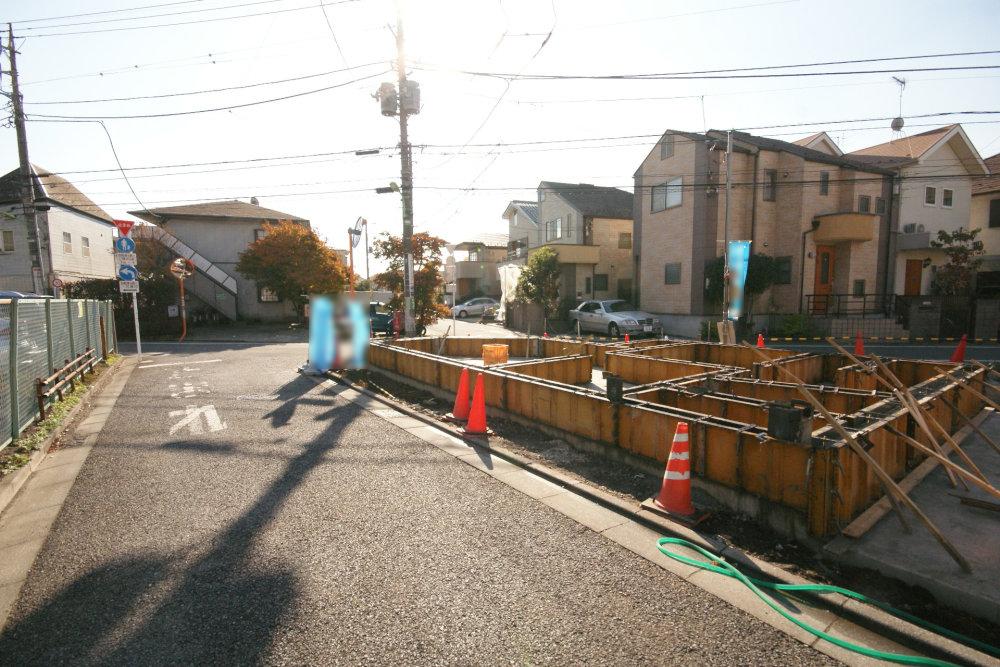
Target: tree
963	249
427	279
762	273
294	262
539	281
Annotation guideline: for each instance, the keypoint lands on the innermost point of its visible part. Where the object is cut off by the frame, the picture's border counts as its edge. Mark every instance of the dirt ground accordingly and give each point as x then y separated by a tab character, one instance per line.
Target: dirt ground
734	529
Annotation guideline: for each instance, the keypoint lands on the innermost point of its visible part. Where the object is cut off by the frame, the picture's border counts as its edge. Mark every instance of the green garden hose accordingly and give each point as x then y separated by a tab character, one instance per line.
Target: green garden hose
721	566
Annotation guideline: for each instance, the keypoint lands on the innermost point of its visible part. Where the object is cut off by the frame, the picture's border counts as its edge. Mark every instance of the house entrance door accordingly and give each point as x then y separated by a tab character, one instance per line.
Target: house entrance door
914	273
823	281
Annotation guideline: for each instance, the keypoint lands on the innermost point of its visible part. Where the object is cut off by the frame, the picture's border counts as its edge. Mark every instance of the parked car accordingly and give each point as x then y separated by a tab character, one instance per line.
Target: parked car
477	306
380	318
614	318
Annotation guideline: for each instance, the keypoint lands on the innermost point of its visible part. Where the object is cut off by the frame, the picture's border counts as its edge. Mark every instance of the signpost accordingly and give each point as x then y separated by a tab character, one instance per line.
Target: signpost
128	274
182	268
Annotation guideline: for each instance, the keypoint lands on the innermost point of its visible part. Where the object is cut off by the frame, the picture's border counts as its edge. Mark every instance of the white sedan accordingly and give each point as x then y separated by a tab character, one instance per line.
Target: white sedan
476	306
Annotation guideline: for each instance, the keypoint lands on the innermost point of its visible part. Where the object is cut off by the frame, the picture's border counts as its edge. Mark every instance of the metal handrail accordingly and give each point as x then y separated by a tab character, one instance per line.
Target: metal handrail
848	305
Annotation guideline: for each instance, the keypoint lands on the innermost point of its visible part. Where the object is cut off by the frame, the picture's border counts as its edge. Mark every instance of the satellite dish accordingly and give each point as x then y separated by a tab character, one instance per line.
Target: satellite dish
355	232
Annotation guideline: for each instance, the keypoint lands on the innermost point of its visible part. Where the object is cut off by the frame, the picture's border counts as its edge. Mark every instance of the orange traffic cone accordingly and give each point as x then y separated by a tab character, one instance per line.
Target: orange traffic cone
958	356
477	416
760	340
626	338
545	334
859	344
460	411
674	499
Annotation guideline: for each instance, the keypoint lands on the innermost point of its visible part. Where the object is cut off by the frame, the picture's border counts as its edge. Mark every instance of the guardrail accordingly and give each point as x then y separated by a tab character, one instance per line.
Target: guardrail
36	337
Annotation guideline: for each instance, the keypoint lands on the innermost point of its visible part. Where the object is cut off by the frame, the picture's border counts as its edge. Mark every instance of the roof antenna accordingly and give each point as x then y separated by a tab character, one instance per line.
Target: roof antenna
897	122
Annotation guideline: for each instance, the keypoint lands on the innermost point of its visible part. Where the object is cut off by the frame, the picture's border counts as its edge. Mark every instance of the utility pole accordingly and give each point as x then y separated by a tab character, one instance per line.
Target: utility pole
38	274
725	248
405	157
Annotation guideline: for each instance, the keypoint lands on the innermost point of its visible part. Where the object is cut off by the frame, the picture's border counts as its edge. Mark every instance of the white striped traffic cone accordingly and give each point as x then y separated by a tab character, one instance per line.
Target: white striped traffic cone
675	494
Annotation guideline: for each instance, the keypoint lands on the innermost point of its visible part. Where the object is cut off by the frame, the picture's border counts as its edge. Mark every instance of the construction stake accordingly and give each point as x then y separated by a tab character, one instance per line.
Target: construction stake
887	482
971	423
945	461
968	387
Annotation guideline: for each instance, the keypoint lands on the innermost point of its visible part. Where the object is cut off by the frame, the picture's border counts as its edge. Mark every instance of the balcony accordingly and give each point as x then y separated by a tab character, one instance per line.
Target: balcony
475	270
913	241
840	227
573	253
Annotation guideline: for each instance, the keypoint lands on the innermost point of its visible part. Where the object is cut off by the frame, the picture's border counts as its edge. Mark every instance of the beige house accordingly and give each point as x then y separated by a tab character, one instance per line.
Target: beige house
476	266
986	217
823	217
935	172
212	235
589	227
76	234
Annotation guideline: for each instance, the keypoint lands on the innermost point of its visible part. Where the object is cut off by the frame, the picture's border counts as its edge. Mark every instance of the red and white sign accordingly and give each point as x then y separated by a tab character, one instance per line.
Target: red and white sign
57	283
124	226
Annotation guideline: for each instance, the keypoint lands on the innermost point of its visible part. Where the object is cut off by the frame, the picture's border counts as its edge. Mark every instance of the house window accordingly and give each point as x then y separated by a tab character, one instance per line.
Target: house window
600	282
569	224
258	234
587	287
859	288
930	196
879	206
864	204
995	213
667	147
267	295
770	184
946	197
541	195
824	182
783	270
85	246
672	274
8	241
667	195
67	243
624	240
553	229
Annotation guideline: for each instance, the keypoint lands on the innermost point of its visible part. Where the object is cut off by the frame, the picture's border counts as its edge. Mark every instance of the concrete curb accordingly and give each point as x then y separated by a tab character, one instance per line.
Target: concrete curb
12	483
864	616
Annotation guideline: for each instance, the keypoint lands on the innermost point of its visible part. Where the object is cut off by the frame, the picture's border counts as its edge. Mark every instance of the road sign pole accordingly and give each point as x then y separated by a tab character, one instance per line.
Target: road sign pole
184	316
350	245
135	318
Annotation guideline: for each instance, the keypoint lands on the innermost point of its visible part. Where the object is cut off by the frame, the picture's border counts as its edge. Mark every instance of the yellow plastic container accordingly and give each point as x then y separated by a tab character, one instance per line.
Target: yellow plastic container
495	354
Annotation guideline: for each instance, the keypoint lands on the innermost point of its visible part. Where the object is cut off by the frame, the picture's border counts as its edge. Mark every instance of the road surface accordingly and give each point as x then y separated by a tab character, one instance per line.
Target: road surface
233	511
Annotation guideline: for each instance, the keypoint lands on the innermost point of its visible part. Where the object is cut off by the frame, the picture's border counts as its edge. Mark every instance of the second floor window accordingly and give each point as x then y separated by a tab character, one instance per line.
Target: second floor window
930	196
672	274
85	246
553	229
624	240
8	241
667	147
864	204
946	197
770	184
667	195
880	206
824	182
67	243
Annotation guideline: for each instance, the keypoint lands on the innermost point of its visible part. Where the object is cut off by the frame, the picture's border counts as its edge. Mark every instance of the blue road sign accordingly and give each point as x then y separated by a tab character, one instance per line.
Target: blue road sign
128	272
124	244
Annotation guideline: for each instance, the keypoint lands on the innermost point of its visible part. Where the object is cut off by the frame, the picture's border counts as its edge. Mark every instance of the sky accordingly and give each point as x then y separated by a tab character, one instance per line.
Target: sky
350	49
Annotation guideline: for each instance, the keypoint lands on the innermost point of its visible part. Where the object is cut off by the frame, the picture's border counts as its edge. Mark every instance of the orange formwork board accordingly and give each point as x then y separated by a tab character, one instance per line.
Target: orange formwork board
568	370
806	366
560	347
637	369
834	399
473	347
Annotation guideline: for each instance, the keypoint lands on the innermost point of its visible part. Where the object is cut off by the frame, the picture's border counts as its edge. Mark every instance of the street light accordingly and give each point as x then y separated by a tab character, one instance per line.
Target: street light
389	189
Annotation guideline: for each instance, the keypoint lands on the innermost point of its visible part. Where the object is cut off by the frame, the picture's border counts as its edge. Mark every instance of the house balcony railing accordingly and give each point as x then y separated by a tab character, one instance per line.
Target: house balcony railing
849	305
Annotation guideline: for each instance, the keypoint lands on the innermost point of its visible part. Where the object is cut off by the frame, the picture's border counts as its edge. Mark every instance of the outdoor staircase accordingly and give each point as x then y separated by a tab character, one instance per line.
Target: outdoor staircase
210	284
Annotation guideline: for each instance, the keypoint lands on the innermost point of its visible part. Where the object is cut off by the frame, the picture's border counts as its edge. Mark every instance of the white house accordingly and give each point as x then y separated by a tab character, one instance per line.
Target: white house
76	234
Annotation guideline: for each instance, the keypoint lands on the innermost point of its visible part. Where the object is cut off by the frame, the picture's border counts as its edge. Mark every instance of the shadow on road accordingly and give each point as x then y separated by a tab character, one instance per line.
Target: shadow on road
221	608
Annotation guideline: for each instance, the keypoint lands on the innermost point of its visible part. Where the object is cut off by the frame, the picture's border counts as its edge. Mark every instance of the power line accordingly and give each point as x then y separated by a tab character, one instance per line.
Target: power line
209	90
107	11
225	108
149	16
197	21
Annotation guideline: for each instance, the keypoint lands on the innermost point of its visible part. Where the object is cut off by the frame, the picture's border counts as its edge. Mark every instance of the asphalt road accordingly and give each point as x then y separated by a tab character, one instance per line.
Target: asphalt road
235	512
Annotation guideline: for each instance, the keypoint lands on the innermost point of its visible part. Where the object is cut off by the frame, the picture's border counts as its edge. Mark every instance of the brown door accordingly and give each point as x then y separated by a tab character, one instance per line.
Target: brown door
914	272
823	282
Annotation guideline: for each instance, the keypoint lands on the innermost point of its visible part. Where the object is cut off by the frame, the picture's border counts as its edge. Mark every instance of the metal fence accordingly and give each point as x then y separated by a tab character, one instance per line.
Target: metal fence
37	337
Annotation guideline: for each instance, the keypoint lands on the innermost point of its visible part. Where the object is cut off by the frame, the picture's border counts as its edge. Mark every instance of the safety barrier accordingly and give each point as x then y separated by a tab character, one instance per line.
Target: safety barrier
38	336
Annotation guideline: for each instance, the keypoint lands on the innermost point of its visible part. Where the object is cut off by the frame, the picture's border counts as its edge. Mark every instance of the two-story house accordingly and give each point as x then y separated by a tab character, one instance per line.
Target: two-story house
212	235
985	217
589	227
935	172
476	266
76	234
822	217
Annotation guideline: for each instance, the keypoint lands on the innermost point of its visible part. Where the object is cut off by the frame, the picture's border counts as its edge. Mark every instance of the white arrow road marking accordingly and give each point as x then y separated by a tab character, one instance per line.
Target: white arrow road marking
192	418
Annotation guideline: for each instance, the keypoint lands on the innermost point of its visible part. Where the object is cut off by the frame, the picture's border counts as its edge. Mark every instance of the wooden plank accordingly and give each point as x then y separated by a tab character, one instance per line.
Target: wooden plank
867	520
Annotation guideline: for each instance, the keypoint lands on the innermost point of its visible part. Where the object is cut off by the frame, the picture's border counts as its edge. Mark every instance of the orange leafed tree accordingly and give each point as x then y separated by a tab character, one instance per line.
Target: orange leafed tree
294	262
427	278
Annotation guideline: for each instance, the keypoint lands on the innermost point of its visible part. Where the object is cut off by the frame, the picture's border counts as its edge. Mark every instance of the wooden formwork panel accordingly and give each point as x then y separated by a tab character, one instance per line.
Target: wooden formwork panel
473	347
568	370
643	370
842	402
806	367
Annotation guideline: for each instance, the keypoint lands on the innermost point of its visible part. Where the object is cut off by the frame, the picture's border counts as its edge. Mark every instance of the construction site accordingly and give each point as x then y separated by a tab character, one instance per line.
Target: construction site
885	464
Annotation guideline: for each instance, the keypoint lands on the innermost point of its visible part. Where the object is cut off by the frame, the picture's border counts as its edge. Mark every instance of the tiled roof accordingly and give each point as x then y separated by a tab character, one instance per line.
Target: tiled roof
805	141
594	200
49	186
529	208
906	148
487	239
766	143
989	183
231	209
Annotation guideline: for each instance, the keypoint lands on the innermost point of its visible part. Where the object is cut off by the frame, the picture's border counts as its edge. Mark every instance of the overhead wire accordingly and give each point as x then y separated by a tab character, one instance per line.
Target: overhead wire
149	16
106	11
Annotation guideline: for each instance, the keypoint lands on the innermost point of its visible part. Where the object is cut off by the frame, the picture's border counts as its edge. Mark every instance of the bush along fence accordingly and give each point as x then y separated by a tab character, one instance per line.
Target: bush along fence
38	337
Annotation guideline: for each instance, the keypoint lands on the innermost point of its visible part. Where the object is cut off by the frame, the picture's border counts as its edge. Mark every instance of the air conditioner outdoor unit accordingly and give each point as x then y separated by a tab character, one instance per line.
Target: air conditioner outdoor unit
910	228
920	228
